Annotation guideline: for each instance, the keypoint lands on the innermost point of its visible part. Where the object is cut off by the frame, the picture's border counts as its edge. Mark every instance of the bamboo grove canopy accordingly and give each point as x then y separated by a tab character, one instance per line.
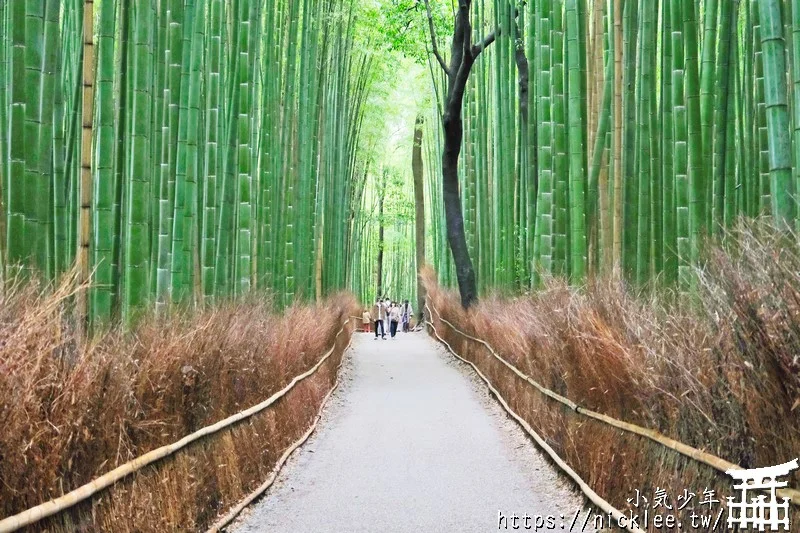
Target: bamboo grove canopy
214	132
221	151
621	133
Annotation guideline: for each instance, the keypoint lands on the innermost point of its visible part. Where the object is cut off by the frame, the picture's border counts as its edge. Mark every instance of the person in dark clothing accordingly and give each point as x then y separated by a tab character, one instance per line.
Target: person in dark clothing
378	315
394	318
407	313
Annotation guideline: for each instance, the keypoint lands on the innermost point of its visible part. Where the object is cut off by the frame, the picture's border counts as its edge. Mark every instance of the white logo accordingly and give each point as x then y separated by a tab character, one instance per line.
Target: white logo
758	511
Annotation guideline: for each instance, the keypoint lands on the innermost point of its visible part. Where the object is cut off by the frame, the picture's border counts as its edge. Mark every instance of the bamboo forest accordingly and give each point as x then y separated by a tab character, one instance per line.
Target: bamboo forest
180	151
550	250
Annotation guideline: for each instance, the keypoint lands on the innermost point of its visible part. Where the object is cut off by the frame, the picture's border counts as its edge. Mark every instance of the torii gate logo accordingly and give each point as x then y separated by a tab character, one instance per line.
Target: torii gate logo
758	512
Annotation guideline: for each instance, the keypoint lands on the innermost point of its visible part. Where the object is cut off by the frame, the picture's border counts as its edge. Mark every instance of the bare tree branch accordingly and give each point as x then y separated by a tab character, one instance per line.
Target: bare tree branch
489	39
433	39
522	67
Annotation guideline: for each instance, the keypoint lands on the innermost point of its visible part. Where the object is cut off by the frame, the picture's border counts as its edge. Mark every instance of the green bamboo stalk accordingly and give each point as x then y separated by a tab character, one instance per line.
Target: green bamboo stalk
35	195
5	48
647	37
721	176
306	189
59	154
46	131
543	243
17	245
709	58
532	54
212	160
104	156
577	156
137	208
73	145
629	195
560	162
244	154
668	215
289	159
169	135
179	269
795	67
750	195
226	186
601	210
733	168
777	110
191	245
760	135
680	137
697	179
656	149
123	94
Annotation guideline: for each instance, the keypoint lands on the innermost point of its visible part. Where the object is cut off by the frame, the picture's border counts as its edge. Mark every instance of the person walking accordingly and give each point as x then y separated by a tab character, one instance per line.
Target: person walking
379	315
366	321
394	317
407	313
387	304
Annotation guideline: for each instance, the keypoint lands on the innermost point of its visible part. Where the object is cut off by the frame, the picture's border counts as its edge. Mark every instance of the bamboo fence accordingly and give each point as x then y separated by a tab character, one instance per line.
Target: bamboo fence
231	515
684	449
595	498
84	492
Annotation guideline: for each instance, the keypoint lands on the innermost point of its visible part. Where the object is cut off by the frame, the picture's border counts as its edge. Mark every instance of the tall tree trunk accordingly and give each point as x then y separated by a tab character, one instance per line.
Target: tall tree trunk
454	217
381	193
462	57
419	211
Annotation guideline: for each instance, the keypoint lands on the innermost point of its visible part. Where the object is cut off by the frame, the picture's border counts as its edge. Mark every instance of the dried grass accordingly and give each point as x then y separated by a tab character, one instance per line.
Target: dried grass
71	411
720	372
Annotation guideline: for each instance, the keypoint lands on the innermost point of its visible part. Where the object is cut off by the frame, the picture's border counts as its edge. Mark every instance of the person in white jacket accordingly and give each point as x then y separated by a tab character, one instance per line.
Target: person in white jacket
387	305
394	317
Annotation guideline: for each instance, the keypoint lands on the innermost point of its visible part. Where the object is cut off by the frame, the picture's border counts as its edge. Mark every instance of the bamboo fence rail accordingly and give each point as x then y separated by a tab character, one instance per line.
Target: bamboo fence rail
684	449
57	505
231	515
595	498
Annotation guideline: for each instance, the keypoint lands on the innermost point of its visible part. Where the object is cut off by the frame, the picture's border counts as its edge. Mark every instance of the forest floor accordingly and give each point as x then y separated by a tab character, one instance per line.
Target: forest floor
412	441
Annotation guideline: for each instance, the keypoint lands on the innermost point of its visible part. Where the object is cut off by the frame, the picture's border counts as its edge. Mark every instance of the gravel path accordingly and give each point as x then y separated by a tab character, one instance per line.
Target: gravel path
411	442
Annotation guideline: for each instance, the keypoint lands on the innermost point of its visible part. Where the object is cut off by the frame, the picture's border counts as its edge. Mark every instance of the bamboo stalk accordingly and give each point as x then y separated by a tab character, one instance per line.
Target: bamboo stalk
577	153
617	141
647	37
104	231
137	183
85	222
777	110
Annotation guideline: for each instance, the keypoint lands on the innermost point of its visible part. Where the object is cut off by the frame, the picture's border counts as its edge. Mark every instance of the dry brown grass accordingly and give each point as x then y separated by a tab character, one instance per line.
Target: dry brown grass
720	373
71	411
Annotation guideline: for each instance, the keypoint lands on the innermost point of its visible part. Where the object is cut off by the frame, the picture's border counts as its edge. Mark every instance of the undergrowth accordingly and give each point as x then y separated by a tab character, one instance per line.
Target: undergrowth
72	410
719	370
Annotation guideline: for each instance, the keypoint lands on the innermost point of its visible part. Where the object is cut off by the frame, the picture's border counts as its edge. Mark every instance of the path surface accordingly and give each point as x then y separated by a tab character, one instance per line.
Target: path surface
411	442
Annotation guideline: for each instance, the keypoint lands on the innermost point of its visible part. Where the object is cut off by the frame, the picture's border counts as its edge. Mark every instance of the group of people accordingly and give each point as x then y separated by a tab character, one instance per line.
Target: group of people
387	314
